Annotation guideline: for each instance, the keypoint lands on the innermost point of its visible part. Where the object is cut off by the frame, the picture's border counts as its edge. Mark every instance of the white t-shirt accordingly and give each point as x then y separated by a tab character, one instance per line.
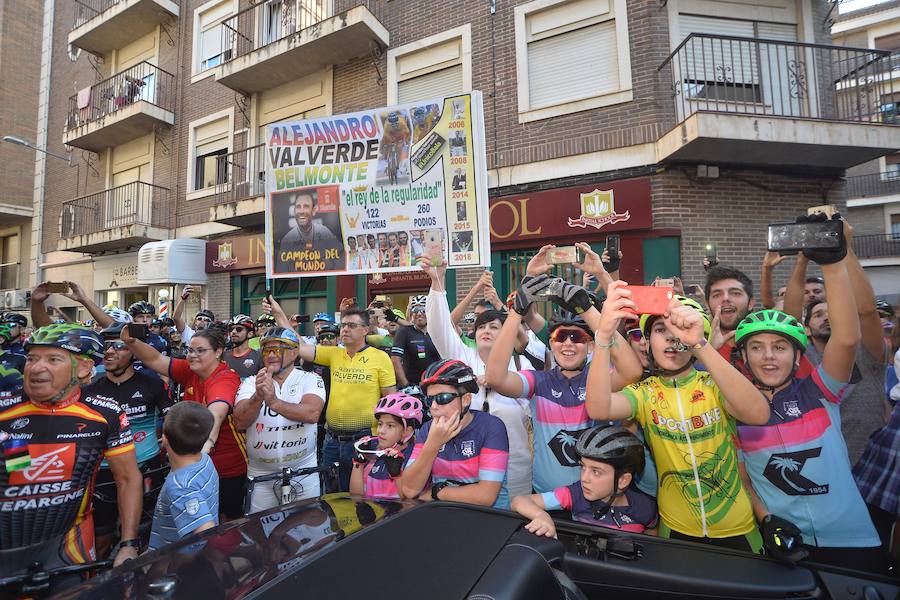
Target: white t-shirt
274	441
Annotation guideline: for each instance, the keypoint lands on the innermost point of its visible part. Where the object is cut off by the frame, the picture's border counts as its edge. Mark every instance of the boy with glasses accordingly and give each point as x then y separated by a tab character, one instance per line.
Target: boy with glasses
463	452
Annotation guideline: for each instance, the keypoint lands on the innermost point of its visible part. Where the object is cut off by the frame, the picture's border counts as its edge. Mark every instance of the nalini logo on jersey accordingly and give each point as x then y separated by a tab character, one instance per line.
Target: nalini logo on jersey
49	462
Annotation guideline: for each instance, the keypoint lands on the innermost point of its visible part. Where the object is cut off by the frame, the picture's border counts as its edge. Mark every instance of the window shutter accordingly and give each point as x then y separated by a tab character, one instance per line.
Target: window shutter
573	65
211	137
443	82
724	61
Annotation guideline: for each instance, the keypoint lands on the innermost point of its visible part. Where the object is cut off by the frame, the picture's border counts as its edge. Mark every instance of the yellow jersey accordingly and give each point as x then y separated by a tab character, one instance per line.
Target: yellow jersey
692	440
356	384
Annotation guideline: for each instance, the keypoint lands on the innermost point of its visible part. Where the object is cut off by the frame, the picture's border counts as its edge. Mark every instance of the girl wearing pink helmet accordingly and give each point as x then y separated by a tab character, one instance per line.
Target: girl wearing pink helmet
379	461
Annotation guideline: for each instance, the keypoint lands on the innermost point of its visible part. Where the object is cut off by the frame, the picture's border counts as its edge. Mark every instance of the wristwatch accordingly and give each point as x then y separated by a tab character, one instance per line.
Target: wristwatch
130	544
436	488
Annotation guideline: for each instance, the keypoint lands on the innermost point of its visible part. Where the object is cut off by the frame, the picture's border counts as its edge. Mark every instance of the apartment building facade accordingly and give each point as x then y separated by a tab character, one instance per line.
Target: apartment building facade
694	128
20	44
873	188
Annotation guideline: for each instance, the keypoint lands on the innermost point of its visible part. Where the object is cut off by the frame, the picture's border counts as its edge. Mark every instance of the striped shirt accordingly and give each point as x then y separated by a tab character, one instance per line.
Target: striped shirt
188	499
480	452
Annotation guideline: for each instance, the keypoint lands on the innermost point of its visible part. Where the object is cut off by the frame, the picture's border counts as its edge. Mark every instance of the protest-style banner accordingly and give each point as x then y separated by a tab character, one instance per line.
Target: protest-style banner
376	190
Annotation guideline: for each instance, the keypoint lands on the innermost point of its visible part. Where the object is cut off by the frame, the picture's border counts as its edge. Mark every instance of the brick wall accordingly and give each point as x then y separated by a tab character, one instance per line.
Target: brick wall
20	57
734	211
218	295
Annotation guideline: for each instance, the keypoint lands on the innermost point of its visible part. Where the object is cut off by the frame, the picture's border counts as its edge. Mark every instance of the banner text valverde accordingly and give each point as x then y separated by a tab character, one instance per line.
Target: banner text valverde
293	177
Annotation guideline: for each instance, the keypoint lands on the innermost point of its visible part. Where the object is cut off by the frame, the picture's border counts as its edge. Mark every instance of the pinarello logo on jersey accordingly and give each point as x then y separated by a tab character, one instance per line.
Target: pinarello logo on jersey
49	462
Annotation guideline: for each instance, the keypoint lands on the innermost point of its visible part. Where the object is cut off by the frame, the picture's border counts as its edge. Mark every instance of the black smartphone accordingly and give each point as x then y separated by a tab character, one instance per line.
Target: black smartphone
303	319
612	246
712	252
790	238
138	331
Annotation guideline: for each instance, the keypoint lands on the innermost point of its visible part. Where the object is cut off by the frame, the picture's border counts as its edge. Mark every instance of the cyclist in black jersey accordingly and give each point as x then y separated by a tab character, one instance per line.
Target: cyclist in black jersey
144	399
53	436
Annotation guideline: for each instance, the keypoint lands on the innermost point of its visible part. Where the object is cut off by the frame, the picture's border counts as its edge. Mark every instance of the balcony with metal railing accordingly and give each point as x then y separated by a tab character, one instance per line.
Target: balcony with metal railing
240	195
873	185
101	26
753	101
120	108
276	41
128	215
882	245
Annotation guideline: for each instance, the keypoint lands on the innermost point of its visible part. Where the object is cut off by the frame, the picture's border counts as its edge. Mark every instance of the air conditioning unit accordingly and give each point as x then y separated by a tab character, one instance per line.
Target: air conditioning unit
172	261
15	298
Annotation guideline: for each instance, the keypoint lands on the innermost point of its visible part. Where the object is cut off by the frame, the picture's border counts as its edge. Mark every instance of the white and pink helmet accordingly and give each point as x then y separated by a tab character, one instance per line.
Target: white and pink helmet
407	408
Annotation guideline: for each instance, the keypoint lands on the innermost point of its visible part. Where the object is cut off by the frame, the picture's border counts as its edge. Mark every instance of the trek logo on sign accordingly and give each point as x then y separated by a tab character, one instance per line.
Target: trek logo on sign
598	209
49	462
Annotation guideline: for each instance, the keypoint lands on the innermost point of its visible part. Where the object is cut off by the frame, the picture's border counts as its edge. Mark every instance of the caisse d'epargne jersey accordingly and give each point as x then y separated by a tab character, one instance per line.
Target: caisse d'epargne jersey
50	460
480	452
799	466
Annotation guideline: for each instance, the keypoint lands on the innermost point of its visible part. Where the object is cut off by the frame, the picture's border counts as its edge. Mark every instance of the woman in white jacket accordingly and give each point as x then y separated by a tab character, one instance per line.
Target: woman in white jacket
514	412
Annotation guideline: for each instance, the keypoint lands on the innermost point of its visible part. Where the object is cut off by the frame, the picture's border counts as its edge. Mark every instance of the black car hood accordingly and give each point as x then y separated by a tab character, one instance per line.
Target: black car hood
238	557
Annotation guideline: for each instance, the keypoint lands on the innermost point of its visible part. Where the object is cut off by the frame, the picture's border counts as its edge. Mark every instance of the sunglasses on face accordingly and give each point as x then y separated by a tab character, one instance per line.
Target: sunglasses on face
576	336
635	335
238	328
327	337
277	349
441	399
115	346
205	319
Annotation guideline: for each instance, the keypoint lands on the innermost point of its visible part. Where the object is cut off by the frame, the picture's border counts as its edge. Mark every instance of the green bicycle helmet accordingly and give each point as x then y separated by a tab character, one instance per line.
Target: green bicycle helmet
647	320
5	332
72	337
771	321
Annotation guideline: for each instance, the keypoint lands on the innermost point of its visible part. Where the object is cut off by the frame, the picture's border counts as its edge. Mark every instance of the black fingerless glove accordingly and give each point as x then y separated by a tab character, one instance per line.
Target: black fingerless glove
573	298
821	256
390	315
613	264
393	464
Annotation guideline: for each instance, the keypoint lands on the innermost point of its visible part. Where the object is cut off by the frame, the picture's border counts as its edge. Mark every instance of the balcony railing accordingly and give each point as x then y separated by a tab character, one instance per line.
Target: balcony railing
267	22
143	82
85	10
245	175
709	73
876	184
136	203
882	245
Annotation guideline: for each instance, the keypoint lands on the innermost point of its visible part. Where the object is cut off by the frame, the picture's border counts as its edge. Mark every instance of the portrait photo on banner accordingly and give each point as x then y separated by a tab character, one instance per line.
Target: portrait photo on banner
306	230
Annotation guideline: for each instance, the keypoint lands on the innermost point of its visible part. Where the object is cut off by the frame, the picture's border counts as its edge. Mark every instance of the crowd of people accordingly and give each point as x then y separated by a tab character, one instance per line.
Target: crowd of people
769	426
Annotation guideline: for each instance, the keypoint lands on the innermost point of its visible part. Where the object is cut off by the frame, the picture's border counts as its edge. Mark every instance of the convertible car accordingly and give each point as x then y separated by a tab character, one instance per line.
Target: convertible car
343	547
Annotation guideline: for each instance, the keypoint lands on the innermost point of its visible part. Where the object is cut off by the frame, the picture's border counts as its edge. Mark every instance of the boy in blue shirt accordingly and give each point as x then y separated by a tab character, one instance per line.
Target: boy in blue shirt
189	500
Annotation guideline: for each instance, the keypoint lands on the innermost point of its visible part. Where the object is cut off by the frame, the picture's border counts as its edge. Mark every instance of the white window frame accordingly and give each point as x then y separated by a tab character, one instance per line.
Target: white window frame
193	194
889	210
198	74
618	13
394	55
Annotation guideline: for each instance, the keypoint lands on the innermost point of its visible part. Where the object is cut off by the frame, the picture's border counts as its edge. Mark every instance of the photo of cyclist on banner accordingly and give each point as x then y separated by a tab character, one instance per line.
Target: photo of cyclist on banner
393	163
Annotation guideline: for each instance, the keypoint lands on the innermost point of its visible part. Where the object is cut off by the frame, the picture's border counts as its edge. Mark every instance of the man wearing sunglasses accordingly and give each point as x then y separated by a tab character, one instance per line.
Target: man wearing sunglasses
279	409
413	349
463	452
243	360
143	398
557	397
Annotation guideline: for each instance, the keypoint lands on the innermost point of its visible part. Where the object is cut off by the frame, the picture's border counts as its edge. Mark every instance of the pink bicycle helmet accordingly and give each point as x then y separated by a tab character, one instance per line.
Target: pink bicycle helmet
408	408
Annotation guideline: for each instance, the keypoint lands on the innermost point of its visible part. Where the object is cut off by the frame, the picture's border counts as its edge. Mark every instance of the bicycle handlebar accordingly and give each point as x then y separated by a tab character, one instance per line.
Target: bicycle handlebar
287	473
37	579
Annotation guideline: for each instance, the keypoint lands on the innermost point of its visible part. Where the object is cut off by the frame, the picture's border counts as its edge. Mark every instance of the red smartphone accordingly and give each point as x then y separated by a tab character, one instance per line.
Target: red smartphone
651	300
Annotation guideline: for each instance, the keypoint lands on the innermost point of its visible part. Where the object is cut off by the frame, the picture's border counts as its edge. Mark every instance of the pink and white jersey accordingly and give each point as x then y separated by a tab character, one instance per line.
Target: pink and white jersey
379	483
480	452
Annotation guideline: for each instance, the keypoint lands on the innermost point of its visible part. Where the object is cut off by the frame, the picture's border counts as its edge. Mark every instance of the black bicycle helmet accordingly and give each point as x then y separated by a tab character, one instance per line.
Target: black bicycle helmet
206	313
450	372
613	445
884	308
330	328
564	317
142	307
265	319
113	332
15	319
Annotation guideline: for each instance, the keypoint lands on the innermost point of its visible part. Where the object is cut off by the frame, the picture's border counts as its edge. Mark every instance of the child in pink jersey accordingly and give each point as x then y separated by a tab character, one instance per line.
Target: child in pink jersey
379	461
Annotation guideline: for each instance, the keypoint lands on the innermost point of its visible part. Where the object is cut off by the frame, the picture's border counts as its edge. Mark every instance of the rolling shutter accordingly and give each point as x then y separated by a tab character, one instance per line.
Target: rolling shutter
443	82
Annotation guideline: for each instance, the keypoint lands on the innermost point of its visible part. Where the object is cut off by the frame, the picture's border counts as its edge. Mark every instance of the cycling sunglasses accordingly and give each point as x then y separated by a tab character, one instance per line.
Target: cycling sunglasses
115	345
275	349
576	336
441	399
239	327
635	335
326	337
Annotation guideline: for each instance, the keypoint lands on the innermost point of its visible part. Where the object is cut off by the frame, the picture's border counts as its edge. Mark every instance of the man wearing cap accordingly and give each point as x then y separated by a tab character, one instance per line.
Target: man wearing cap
413	349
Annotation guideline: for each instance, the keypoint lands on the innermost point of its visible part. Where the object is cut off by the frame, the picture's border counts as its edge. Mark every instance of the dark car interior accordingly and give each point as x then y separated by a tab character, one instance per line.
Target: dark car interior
455	551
